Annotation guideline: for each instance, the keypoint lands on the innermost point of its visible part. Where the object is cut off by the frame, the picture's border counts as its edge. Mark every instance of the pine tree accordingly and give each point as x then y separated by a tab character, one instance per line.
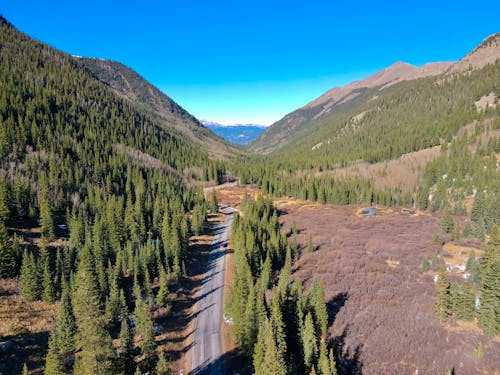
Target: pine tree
146	329
260	349
446	222
274	363
97	355
48	293
214	206
29	285
317	300
162	364
162	297
54	362
46	219
310	246
126	348
250	322
66	327
25	369
443	295
478	207
323	361
308	337
7	255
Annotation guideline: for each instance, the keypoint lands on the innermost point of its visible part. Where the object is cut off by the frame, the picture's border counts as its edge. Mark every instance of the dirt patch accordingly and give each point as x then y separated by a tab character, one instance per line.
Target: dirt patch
27	326
380	301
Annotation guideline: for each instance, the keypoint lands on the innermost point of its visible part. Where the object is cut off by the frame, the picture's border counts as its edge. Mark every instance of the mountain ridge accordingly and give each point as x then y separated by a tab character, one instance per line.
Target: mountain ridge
130	85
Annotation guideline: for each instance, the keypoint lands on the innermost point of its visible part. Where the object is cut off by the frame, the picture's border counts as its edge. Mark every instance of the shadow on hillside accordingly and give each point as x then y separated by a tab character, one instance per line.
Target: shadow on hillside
29	348
348	363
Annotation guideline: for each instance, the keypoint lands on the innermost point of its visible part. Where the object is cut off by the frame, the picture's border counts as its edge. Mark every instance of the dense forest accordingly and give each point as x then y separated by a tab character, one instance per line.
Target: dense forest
278	324
85	164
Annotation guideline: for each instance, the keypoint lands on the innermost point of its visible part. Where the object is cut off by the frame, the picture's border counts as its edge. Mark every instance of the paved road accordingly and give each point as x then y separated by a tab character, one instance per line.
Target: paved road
207	346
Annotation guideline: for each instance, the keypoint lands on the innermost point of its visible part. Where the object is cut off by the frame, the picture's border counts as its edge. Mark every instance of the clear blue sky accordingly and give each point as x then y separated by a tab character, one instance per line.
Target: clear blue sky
255	61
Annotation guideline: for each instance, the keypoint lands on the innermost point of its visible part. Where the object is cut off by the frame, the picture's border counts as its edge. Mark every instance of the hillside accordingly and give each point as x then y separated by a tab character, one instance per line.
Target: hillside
98	200
128	84
340	100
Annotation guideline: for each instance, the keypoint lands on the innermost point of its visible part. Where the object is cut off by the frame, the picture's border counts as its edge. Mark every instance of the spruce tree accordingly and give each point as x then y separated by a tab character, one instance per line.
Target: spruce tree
7	256
308	337
96	351
273	363
126	358
29	285
46	219
54	362
310	246
443	295
260	349
162	297
66	327
48	293
446	222
146	329
162	364
317	300
25	369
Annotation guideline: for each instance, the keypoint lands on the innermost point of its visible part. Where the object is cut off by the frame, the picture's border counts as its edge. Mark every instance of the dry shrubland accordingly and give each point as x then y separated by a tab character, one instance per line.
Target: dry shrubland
380	300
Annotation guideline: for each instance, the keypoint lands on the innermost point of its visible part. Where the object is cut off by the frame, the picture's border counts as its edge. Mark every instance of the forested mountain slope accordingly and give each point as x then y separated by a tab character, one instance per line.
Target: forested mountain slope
96	204
132	86
343	108
339	101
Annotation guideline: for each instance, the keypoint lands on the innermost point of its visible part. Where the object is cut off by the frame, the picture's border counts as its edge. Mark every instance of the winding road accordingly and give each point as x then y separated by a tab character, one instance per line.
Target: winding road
207	345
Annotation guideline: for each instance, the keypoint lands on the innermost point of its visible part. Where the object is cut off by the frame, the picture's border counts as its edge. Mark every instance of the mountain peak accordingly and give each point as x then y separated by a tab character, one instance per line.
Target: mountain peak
488	52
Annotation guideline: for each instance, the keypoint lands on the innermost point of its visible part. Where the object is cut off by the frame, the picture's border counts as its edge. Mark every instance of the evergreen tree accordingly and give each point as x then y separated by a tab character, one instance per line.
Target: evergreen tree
308	336
446	222
46	219
25	369
146	329
66	327
54	362
214	206
162	297
274	363
126	348
48	293
162	364
29	285
96	351
7	255
260	350
443	295
310	246
317	300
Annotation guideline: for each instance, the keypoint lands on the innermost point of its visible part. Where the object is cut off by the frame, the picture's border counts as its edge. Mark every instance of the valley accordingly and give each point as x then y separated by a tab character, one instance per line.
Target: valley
359	234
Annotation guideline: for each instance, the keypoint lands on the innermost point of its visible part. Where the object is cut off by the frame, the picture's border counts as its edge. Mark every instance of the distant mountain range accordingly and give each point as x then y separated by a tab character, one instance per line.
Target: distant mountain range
239	134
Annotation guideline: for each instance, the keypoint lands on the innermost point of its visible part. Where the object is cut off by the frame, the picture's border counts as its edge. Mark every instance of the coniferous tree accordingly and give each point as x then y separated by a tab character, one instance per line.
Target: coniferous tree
446	222
46	219
25	369
308	336
29	284
126	358
66	327
96	351
48	293
146	329
310	246
54	362
162	297
317	297
162	364
7	255
274	363
443	295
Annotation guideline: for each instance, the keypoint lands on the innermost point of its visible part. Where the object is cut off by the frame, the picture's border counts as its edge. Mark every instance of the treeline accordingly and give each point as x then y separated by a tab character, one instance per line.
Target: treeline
459	173
324	188
280	326
458	299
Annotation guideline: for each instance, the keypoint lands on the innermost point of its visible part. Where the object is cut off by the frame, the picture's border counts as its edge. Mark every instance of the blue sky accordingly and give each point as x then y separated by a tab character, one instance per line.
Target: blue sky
255	61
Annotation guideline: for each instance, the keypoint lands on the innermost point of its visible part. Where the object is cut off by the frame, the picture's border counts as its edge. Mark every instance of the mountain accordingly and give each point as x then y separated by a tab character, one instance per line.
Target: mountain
341	100
488	52
131	86
239	134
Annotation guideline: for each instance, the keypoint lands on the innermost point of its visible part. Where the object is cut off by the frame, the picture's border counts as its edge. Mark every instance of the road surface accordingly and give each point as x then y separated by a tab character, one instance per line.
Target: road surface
207	344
